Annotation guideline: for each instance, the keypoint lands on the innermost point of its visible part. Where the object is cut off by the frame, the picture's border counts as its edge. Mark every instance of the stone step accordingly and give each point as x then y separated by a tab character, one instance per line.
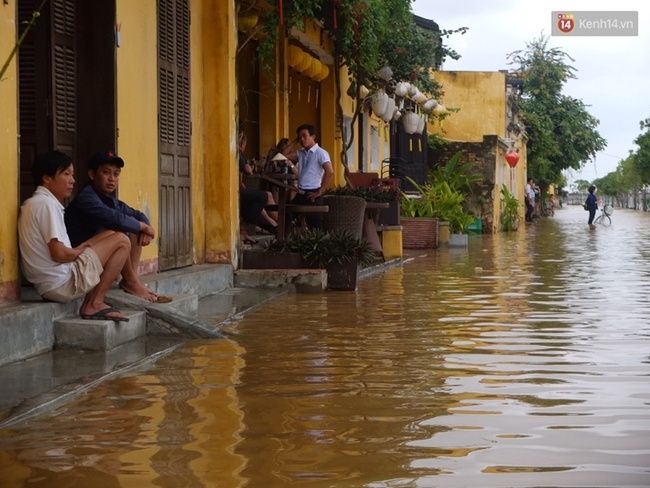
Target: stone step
73	332
187	304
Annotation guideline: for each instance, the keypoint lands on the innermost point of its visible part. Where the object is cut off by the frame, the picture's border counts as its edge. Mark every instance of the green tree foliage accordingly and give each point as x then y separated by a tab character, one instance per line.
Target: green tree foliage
642	157
581	185
367	35
562	134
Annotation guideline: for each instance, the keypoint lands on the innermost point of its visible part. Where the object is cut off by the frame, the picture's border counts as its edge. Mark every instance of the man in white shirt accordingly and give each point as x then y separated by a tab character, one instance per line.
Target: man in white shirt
530	199
58	271
315	172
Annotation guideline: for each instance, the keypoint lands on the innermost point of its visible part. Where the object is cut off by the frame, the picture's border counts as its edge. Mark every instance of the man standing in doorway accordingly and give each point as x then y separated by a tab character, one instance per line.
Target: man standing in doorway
315	172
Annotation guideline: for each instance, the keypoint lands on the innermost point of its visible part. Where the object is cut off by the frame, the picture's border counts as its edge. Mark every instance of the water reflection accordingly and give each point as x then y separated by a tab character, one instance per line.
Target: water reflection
522	361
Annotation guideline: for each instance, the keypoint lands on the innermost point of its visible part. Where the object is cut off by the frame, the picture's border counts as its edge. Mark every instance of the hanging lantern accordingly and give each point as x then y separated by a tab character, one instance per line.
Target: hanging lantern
385	73
410	122
439	109
295	55
247	23
420	98
379	102
322	73
304	63
390	110
422	123
512	158
314	68
363	91
401	89
429	105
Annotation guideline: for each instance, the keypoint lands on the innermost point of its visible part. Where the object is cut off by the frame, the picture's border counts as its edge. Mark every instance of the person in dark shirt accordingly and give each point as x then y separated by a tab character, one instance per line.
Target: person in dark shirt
96	208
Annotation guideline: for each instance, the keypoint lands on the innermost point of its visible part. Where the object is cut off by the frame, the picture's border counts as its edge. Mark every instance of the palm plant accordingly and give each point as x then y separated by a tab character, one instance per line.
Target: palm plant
509	210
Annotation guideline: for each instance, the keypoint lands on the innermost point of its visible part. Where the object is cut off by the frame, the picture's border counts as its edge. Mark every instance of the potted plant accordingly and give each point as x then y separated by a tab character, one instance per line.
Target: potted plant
448	207
419	220
509	210
338	252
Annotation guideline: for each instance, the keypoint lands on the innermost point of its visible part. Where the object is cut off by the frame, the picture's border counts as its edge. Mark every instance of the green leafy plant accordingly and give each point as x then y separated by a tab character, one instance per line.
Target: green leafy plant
509	210
458	175
439	201
449	208
420	205
319	248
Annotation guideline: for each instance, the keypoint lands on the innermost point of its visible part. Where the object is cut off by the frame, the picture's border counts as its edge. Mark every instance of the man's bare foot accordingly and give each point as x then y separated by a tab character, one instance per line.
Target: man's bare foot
139	291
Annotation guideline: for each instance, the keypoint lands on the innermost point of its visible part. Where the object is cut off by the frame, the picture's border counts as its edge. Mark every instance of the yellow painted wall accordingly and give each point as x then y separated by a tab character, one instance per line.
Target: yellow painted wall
137	109
215	181
9	269
480	96
481	100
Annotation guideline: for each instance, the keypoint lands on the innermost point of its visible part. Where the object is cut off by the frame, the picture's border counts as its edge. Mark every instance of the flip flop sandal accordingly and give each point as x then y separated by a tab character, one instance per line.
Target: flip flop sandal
103	315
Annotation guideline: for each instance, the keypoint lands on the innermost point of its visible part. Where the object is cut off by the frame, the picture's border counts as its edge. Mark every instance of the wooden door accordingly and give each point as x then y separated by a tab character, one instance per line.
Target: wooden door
174	132
66	79
47	66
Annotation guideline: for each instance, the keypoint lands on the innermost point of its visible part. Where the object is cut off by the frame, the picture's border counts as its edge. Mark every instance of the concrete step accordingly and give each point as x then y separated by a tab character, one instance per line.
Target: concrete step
187	304
201	280
73	332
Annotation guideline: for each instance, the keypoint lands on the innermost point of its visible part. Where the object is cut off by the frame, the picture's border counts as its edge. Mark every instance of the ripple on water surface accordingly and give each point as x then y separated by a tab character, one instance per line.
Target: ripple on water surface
522	361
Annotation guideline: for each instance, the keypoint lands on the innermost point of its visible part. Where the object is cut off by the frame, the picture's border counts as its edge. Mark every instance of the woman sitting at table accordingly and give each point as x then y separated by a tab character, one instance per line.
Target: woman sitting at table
252	201
284	147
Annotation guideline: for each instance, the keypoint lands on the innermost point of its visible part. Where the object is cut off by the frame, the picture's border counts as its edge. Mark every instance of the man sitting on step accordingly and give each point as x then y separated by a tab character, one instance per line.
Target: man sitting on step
96	208
58	271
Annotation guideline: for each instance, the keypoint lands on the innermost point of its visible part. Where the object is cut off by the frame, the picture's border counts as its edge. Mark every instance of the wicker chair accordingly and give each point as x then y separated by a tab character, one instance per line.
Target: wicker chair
346	212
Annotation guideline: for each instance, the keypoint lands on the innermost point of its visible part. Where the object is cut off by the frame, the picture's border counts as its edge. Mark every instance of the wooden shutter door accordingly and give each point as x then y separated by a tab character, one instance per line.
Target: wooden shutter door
174	133
47	71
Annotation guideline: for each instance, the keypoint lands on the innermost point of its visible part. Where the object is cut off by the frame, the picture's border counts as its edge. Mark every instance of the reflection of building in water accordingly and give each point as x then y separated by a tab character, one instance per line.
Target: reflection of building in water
177	425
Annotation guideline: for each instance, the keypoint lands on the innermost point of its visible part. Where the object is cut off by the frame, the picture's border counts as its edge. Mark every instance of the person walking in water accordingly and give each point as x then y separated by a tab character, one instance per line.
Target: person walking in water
591	205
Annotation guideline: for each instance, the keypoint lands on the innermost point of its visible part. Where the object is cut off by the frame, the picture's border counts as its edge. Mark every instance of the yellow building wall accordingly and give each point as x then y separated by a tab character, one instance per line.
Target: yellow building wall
9	269
480	97
215	179
137	109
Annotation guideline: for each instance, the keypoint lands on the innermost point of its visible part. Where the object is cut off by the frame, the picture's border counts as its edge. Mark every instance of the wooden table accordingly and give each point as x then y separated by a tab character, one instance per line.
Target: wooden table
281	190
370	224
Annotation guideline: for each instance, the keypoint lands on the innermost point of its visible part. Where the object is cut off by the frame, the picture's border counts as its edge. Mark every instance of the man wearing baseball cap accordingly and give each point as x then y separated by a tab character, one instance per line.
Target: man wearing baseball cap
95	208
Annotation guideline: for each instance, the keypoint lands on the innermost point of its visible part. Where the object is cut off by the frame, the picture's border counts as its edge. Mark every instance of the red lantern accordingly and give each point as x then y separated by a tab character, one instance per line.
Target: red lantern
512	157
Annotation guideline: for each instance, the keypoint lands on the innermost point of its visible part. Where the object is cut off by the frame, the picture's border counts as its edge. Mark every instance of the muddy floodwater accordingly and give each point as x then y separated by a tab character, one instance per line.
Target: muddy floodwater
522	361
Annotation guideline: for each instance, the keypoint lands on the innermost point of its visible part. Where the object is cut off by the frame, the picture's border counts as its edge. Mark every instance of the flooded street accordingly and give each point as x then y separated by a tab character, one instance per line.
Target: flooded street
522	361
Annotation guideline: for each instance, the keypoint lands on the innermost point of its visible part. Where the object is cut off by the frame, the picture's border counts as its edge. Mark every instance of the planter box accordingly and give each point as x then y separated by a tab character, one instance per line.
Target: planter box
343	276
390	215
419	233
259	259
339	276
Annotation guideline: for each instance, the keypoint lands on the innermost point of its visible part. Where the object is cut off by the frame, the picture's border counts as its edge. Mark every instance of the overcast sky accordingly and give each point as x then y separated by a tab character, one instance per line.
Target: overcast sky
613	72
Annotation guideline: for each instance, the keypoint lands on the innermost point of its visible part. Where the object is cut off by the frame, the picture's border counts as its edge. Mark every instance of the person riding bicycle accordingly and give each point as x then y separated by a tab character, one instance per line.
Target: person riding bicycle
591	205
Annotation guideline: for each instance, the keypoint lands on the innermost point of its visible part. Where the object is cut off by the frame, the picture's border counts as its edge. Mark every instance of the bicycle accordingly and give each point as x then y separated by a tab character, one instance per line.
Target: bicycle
605	216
